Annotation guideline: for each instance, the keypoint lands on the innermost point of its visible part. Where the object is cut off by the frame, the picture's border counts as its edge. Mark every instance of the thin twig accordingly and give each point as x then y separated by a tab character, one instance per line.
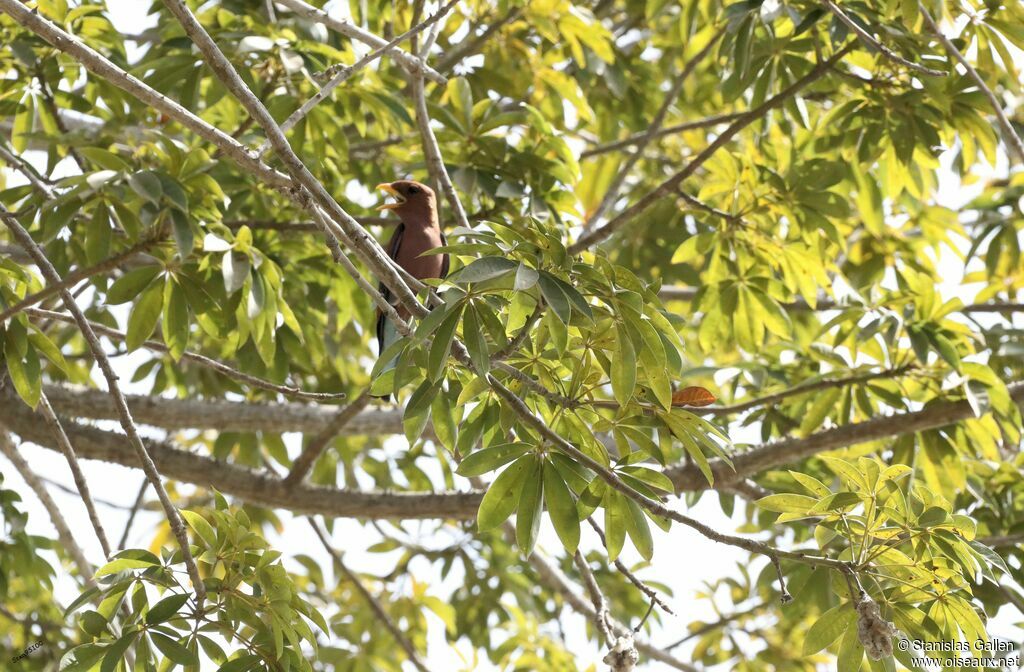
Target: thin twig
371	599
616	145
602	233
404	58
304	462
651	594
612	193
124	415
61	438
596	597
202	360
67	539
652	505
76	276
432	153
874	44
136	505
1013	141
337	74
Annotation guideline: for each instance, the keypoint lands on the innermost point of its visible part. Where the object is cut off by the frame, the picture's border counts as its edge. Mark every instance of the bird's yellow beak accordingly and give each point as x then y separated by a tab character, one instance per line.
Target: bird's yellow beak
391	191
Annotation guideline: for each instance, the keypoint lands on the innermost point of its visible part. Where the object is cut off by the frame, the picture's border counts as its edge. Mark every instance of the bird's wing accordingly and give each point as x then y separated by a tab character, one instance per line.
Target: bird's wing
393	246
445	261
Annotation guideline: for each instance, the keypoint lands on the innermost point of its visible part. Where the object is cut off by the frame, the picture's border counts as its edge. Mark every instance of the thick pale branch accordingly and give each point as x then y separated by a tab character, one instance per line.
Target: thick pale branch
785	451
261	488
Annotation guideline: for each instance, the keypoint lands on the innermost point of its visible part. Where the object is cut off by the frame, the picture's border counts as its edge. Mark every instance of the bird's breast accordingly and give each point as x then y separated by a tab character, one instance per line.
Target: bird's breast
414	243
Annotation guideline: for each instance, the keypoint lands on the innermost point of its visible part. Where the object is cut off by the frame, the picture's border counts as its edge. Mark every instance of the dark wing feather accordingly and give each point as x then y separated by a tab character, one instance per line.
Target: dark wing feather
393	245
445	260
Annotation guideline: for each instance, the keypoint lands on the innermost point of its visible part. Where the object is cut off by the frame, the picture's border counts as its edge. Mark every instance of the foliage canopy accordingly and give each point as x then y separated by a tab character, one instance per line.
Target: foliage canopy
810	212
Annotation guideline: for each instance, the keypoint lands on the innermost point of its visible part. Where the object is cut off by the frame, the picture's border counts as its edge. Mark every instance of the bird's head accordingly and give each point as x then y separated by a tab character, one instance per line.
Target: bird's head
414	202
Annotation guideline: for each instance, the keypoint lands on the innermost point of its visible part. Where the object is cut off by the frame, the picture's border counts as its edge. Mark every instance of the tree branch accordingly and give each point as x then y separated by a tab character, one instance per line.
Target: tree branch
202	360
124	415
375	605
304	462
261	488
405	59
770	455
555	580
97	64
432	152
76	471
602	233
645	139
1013	141
67	539
337	74
76	276
873	43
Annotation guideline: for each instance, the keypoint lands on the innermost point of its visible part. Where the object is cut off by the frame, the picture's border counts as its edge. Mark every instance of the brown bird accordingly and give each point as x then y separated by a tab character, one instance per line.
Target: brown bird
419	232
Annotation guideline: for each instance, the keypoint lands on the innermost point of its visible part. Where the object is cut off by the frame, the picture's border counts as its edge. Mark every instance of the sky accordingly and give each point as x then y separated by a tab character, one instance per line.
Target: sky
685	558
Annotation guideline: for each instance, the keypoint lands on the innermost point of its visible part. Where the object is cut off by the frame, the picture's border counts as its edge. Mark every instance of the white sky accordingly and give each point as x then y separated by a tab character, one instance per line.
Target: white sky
683	559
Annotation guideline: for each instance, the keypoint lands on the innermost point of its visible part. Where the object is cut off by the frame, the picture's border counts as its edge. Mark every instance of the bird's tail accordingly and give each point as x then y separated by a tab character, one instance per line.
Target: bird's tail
387	333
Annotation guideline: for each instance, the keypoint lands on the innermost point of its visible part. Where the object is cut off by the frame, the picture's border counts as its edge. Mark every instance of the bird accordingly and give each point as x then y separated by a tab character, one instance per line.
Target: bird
419	231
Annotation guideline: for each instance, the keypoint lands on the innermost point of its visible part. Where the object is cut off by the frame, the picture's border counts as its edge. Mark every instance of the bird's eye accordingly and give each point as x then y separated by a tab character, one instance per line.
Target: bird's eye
414	190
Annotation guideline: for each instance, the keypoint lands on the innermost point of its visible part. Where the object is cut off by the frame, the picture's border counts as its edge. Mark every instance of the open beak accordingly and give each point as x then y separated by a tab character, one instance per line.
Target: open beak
391	191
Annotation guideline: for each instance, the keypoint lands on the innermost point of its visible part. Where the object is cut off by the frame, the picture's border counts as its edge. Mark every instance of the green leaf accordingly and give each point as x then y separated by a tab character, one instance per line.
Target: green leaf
244	663
182	230
24	370
145	314
166	608
623	367
828	627
174	650
122	564
476	343
932	516
561	508
616	513
442	345
555	297
201	527
528	512
638	529
128	286
851	651
175	318
485	268
502	497
98	235
526	278
147	185
485	460
115	653
787	503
